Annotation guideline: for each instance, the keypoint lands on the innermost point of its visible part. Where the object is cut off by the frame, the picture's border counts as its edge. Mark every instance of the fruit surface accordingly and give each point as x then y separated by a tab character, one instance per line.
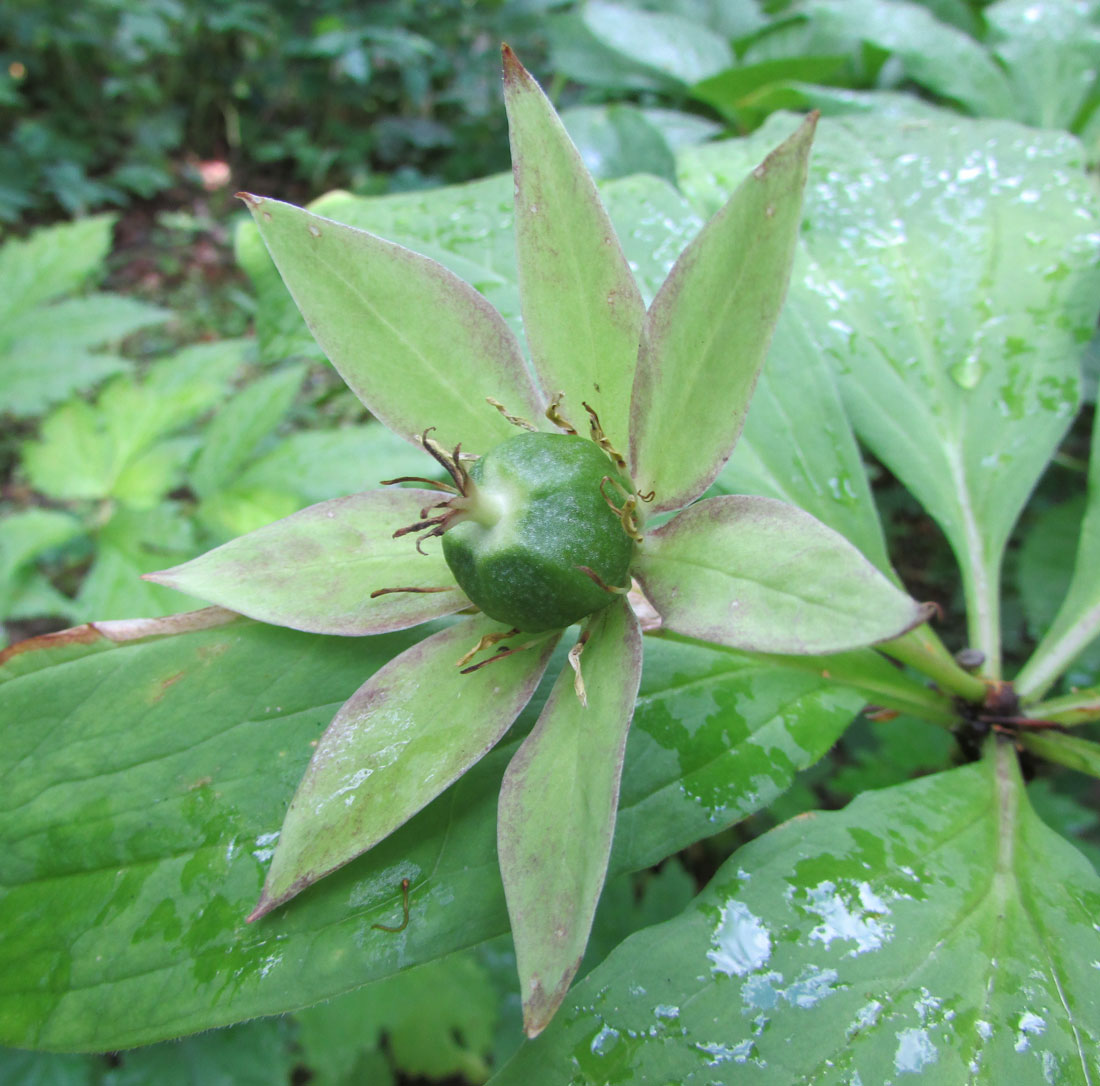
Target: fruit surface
537	515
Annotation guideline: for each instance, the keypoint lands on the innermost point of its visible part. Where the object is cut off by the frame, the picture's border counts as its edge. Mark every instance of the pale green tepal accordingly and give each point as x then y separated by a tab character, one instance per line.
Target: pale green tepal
663	395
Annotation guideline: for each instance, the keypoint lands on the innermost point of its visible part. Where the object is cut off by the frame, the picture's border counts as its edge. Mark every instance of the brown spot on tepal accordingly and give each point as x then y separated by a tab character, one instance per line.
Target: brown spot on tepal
248	198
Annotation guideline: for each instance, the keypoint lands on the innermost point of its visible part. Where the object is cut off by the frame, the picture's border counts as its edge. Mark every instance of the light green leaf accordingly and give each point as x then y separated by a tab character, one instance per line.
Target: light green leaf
26	534
1051	52
321	464
131	543
88	451
1077	622
410	731
708	330
557	811
239	426
47	354
942	58
680	49
617	141
937	929
417	345
581	308
956	261
52	261
240	509
316	569
152	762
756	574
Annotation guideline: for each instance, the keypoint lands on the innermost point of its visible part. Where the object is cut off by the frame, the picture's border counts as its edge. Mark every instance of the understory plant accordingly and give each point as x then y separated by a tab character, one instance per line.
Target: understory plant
944	282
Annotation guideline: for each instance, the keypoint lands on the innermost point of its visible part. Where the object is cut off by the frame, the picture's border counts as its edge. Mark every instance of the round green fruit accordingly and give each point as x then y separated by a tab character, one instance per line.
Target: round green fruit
535	515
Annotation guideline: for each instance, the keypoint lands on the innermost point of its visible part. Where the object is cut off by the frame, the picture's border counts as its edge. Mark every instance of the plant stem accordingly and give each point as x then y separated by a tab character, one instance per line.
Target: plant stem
1052	658
923	651
1068	750
1080	707
863	670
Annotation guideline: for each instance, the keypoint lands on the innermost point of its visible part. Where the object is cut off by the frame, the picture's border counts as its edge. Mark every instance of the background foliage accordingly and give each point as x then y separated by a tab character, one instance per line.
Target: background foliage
164	396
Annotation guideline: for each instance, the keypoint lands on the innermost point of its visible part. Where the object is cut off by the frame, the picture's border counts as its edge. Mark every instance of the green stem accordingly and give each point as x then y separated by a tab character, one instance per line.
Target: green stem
1053	657
923	651
1080	707
1068	750
863	670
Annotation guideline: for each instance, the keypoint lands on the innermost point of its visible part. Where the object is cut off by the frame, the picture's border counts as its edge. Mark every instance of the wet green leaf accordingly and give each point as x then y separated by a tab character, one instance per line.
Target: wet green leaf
557	812
381	312
960	374
410	731
316	569
675	47
757	574
1077	622
582	312
708	330
148	780
798	445
618	140
1050	51
937	928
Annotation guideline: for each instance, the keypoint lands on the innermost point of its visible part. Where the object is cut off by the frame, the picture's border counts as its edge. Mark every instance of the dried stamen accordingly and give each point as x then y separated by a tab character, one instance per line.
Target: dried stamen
553	413
417	479
515	420
488	641
500	654
600	438
574	658
408	588
592	575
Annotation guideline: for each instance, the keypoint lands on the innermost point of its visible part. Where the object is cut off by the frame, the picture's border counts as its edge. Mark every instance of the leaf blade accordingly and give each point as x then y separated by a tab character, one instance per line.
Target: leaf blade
416	344
416	726
696	316
557	812
756	574
316	569
582	312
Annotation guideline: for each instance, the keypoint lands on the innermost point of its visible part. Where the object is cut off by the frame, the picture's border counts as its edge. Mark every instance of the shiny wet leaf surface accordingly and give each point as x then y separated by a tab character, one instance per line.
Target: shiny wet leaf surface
936	930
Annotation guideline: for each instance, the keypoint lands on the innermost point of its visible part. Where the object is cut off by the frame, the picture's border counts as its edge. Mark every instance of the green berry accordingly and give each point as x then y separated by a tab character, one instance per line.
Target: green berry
536	513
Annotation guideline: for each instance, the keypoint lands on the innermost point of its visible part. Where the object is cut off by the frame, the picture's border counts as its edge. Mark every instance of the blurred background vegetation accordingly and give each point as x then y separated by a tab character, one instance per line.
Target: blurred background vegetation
157	396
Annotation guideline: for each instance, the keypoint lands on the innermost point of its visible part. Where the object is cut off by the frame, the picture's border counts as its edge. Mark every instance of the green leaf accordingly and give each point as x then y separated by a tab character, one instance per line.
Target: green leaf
959	371
557	811
582	312
151	766
131	543
945	60
252	1054
1068	750
717	736
707	331
937	928
677	48
321	464
617	141
49	1069
1050	52
238	428
49	353
50	262
110	449
417	345
26	534
798	445
415	727
436	1020
1077	622
756	574
316	570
